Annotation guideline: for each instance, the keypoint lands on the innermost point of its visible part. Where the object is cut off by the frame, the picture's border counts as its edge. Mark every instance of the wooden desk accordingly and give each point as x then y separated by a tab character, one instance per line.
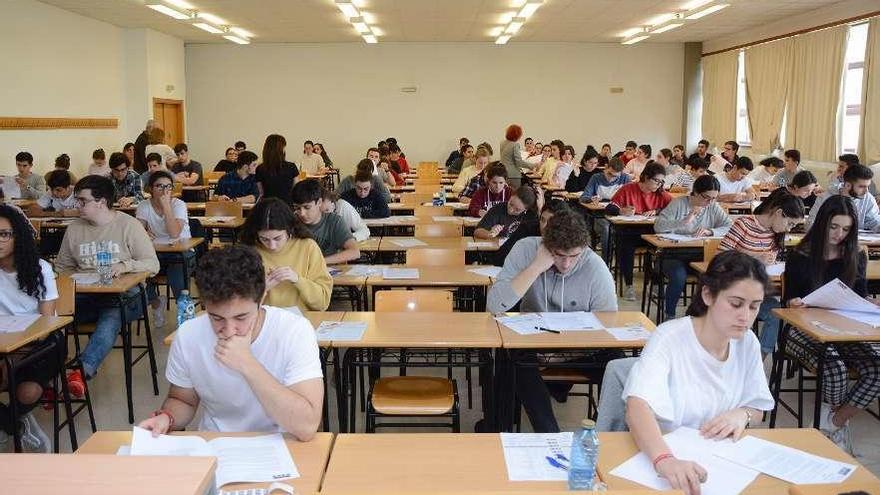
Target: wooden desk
833	489
310	457
109	474
872	273
220	222
416	463
178	246
11	342
388	244
848	330
425	330
623	221
314	317
619	446
596	339
119	285
458	278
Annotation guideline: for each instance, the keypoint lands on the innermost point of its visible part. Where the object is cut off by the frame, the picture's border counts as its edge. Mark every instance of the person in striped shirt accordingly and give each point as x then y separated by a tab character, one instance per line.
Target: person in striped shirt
684	181
762	236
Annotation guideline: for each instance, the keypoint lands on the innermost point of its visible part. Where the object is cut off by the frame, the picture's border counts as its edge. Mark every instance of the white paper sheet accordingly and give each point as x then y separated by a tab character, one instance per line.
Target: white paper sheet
724	477
629	333
837	295
869	237
400	273
257	459
870	319
408	242
524	324
574	321
479	244
684	238
486	271
631	218
86	278
445	219
219	219
375	222
525	455
786	463
16	323
10	188
363	270
342	331
775	270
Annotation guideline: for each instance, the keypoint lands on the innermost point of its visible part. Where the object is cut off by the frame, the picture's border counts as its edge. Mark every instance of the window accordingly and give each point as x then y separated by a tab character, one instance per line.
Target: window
743	134
851	104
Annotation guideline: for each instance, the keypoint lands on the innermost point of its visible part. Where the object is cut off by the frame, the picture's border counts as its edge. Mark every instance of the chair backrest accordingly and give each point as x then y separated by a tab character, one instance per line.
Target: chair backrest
710	249
66	305
224	209
416	198
209	176
435	257
177	189
427	167
432	211
414	300
612	409
442	229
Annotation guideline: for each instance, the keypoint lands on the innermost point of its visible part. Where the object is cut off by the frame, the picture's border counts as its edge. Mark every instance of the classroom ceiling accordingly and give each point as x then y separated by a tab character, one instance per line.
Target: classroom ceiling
319	21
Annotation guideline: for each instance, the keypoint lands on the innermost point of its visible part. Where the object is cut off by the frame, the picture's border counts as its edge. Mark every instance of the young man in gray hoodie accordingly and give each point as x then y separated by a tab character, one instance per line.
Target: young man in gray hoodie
535	275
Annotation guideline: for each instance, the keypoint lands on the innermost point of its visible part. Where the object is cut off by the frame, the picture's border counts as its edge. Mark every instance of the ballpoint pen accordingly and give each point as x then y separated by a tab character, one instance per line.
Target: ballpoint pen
553	462
543	329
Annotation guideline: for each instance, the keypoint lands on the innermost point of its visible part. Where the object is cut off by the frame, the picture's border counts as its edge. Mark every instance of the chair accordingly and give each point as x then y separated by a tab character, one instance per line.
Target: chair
427	168
710	249
427	188
432	211
612	409
435	257
413	396
429	181
177	191
416	198
224	209
442	229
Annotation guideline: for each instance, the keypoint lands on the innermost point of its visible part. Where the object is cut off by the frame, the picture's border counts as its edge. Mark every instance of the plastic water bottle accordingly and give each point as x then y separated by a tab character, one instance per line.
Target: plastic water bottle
186	309
584	454
442	195
103	261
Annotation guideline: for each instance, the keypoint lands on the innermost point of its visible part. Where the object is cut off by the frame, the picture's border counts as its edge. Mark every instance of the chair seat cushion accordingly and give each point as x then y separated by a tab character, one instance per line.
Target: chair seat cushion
413	395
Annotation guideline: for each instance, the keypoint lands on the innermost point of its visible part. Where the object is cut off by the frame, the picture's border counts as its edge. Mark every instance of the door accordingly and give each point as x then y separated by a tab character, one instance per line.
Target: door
168	115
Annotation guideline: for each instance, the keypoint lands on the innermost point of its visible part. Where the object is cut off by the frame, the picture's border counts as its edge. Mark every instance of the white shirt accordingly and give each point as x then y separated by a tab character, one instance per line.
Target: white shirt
47	200
286	347
560	176
760	175
165	151
353	220
311	163
686	386
15	302
730	187
147	213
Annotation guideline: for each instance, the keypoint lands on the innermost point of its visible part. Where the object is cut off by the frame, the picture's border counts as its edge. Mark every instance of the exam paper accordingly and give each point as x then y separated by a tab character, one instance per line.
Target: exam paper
10	187
684	238
837	295
524	324
257	459
870	319
775	270
486	271
724	477
363	270
631	218
86	278
525	455
408	242
786	463
342	331
400	273
480	244
16	323
574	321
629	333
445	219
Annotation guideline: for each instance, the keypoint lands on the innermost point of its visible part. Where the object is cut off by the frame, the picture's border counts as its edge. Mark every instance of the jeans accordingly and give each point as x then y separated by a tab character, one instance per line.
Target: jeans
770	331
173	271
602	227
676	273
105	313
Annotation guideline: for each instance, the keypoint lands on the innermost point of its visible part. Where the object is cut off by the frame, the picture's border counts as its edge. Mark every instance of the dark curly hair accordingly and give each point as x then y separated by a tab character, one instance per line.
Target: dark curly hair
726	269
229	272
26	253
272	214
566	230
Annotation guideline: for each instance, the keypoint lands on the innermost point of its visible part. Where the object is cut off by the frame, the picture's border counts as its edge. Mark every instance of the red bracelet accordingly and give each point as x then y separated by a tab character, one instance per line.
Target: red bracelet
158	412
661	457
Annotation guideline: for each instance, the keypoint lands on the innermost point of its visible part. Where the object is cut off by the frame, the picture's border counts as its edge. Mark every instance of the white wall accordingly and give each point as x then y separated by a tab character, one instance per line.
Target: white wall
348	95
61	64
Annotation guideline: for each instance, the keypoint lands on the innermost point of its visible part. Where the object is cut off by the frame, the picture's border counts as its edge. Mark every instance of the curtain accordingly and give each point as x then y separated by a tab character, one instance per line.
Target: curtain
869	135
719	97
817	73
768	76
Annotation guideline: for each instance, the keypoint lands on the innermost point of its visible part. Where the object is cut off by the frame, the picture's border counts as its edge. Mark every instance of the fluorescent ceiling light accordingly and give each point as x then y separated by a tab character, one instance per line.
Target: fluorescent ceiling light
347	8
515	25
236	39
377	31
668	27
181	4
529	9
631	31
164	9
496	31
660	19
213	19
635	40
694	4
369	38
707	11
503	39
360	24
244	33
207	27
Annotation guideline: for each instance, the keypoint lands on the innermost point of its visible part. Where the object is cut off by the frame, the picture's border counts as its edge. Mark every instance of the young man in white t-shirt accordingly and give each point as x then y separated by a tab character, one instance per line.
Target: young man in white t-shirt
251	367
735	183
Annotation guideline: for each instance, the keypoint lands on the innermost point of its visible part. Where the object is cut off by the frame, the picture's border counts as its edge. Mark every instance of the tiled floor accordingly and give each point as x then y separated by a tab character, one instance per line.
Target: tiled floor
108	393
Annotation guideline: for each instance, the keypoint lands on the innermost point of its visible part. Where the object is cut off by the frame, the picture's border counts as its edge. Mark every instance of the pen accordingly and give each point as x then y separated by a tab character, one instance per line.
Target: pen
546	330
553	462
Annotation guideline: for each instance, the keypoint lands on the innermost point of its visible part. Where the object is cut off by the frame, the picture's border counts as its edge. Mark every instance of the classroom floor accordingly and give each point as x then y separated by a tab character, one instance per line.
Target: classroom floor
108	396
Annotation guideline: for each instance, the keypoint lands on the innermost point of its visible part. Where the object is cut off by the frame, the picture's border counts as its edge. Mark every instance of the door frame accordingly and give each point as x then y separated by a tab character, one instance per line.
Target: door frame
178	103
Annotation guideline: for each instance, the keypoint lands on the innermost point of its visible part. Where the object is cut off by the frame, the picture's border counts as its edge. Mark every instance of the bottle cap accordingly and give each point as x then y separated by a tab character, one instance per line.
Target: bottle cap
588	423
184	291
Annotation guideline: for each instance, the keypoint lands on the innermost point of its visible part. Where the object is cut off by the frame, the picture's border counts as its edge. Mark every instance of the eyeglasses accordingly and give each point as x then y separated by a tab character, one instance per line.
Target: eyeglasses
80	202
120	169
657	181
6	235
163	187
708	198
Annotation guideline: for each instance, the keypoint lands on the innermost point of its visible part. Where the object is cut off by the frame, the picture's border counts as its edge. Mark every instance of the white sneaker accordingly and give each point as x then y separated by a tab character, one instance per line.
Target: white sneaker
33	438
842	437
159	313
825	423
629	293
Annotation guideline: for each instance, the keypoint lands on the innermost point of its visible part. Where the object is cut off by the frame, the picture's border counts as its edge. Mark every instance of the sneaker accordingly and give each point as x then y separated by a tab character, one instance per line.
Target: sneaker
159	314
33	438
629	293
75	384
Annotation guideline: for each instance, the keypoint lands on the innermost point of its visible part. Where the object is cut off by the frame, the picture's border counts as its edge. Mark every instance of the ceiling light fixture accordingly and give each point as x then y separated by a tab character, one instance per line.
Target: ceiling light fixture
164	9
347	8
360	25
515	25
213	19
236	39
207	27
635	39
503	39
667	27
369	38
515	21
695	4
181	4
529	9
244	33
703	13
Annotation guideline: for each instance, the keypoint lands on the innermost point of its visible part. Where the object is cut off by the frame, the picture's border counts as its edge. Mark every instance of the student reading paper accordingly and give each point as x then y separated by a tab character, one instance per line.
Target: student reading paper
702	371
251	367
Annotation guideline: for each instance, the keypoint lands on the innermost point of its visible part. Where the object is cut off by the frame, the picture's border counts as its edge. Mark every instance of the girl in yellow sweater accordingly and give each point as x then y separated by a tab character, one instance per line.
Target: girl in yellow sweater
296	274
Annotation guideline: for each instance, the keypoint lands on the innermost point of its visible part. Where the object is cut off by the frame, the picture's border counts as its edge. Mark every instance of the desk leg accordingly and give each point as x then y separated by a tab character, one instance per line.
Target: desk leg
13	408
820	369
340	390
151	354
504	389
776	371
126	358
325	416
487	379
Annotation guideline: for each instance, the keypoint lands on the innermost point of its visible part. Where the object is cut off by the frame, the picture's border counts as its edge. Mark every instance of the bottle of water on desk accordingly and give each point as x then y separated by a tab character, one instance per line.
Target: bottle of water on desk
186	309
442	195
584	454
103	262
